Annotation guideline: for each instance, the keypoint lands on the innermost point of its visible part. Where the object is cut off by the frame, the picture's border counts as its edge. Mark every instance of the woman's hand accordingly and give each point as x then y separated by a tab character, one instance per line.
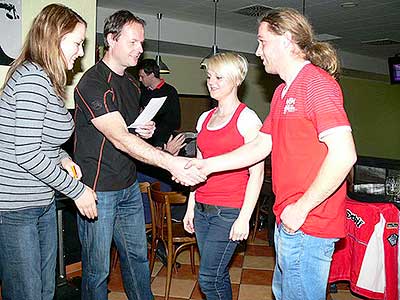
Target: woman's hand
239	230
188	220
72	168
86	203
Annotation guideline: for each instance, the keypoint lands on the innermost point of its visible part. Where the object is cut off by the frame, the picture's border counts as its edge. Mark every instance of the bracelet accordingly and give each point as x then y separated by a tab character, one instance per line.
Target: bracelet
163	149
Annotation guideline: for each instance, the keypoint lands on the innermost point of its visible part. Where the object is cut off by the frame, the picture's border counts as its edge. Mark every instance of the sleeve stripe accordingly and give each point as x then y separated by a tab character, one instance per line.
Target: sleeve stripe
84	102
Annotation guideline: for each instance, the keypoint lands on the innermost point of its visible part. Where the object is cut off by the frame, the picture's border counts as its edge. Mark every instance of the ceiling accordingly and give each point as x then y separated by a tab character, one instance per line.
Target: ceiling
369	20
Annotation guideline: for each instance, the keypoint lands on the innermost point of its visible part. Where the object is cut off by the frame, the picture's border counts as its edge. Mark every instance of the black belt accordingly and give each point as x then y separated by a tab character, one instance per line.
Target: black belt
206	207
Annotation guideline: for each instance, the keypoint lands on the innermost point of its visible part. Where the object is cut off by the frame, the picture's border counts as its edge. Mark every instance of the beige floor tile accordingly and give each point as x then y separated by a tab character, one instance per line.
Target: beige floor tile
117	296
258	241
344	295
236	274
184	257
157	267
180	288
253	292
259	262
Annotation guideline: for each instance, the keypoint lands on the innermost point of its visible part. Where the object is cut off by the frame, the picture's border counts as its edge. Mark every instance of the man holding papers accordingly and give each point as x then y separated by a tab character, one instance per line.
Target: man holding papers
168	118
107	99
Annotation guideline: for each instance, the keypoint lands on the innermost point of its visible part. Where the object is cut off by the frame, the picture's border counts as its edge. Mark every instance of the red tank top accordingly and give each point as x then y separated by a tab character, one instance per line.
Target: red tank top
222	188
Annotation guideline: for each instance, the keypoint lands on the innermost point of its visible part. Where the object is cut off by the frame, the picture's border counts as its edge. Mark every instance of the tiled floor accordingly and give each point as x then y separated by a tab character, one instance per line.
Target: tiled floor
251	275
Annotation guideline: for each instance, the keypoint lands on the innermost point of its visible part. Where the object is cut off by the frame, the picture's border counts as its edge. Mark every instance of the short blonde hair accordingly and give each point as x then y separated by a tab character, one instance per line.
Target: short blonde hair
228	64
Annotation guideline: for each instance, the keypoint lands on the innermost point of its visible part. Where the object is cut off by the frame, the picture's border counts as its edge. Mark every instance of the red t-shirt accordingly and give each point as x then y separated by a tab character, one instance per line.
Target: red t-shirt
222	188
312	105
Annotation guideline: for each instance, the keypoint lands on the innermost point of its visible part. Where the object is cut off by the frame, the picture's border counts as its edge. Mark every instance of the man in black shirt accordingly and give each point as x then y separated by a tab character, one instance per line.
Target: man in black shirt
168	118
107	99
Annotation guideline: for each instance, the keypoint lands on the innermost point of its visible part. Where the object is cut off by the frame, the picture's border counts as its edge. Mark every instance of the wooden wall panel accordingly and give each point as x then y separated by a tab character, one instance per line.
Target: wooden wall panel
192	106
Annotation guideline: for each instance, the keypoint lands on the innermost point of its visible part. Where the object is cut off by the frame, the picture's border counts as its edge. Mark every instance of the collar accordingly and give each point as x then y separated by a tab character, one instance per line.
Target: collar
289	83
158	85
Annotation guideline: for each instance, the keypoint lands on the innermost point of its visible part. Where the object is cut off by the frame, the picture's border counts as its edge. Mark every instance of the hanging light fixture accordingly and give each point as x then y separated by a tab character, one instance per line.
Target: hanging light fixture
214	48
163	67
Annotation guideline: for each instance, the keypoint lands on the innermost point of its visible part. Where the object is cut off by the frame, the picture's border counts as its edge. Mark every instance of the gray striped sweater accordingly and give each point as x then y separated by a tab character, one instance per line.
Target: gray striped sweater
34	123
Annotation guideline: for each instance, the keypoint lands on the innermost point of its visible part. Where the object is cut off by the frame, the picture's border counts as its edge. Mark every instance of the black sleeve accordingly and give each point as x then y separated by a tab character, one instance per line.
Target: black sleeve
94	97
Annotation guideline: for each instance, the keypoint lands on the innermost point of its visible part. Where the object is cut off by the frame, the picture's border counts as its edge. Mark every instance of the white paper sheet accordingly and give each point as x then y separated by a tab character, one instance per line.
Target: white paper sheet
149	112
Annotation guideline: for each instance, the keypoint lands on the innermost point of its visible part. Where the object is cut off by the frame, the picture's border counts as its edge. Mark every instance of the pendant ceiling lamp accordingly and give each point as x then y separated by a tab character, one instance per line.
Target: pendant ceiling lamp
214	48
163	67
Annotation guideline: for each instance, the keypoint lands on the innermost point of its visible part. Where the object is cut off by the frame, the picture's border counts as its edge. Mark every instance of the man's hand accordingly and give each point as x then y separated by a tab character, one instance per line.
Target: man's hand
199	164
72	168
146	131
293	217
86	203
239	230
183	175
194	165
175	144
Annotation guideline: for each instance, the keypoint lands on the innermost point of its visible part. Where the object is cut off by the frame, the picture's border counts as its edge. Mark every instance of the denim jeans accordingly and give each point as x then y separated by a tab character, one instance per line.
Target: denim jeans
120	218
28	240
302	265
212	226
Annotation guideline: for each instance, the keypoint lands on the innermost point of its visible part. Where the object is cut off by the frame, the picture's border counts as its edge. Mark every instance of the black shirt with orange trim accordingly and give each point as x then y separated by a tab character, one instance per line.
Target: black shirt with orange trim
101	91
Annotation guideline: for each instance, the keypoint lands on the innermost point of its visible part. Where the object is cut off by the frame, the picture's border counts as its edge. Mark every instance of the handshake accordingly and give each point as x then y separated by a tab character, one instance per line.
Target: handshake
188	171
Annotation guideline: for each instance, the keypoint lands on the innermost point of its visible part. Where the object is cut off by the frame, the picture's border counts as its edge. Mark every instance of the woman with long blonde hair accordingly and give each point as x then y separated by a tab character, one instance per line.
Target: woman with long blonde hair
34	123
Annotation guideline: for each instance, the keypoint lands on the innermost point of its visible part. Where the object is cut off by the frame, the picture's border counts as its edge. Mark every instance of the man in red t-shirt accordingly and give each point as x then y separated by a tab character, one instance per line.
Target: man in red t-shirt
312	151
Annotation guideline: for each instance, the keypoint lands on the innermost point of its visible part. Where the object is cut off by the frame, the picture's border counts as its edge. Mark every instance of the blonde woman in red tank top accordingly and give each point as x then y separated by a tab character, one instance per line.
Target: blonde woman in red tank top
219	210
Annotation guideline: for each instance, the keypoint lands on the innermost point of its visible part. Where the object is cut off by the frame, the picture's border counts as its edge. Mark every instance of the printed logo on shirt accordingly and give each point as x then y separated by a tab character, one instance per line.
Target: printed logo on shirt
290	105
392	225
358	221
392	239
96	105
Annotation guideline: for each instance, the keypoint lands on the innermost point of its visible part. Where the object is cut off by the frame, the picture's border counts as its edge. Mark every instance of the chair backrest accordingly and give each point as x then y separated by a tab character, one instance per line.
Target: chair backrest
144	186
161	202
190	149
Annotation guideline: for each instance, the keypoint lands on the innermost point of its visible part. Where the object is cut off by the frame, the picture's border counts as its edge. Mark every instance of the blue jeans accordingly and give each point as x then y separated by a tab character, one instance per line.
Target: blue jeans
212	226
302	265
120	217
28	240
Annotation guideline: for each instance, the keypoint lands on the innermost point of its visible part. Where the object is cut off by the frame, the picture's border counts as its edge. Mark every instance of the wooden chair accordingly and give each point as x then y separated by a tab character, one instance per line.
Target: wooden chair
144	188
172	235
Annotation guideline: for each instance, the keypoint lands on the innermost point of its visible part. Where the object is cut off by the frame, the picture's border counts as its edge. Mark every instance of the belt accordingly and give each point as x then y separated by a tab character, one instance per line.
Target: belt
206	207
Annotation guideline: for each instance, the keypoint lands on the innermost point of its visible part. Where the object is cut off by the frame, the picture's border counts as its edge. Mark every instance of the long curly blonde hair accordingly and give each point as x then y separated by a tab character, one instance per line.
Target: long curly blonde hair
321	54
